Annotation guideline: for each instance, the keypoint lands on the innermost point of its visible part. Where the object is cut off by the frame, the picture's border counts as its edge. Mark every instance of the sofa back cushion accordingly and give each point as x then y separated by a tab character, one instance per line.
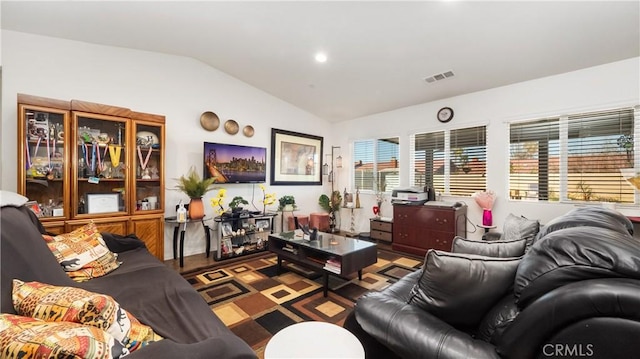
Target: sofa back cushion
575	254
24	254
500	249
589	217
460	288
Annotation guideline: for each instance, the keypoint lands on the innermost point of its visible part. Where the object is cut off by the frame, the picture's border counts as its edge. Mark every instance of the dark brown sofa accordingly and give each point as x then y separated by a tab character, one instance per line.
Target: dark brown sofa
153	293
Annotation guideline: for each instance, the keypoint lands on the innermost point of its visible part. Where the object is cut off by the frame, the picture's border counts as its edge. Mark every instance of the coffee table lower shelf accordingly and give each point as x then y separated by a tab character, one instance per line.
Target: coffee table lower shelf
325	273
353	255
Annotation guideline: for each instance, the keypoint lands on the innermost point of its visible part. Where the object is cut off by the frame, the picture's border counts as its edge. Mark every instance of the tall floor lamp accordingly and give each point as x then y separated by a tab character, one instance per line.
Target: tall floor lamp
329	171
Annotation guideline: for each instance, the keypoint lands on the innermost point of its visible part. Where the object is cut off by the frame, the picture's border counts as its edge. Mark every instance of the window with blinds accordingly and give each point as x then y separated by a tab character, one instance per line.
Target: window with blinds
573	158
454	162
376	165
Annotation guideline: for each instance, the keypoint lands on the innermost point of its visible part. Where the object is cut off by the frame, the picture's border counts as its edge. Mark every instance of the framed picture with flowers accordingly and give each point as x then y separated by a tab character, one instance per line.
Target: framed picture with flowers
264	224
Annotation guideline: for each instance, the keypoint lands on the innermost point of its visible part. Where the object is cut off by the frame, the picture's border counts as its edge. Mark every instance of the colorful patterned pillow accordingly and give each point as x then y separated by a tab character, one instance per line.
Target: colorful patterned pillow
22	337
67	304
83	253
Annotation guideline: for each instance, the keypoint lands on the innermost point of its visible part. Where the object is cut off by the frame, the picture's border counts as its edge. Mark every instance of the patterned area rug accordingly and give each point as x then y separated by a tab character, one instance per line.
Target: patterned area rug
255	303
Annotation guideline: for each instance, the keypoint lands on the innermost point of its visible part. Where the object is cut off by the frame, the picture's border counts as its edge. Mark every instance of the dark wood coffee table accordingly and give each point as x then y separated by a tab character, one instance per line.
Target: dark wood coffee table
349	255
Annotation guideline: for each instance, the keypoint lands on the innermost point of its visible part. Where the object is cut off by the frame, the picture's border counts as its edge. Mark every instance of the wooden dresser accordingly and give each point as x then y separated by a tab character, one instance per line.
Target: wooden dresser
417	229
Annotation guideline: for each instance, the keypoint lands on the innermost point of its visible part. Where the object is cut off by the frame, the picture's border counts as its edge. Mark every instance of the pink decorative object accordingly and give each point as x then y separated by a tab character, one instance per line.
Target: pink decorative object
487	218
485	199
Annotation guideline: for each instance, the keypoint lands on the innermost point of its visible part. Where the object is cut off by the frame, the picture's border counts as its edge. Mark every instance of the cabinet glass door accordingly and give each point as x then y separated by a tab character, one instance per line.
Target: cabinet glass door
42	174
101	161
148	161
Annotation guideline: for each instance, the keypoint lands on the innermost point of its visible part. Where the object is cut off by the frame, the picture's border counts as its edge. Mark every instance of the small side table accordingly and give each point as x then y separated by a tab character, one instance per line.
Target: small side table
352	224
182	229
314	340
486	228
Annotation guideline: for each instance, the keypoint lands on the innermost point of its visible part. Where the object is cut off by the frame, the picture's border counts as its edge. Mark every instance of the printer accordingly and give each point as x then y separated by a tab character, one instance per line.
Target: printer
412	195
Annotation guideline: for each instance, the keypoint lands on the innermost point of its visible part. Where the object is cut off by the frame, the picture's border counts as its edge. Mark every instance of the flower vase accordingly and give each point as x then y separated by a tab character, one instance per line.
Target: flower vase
196	208
487	218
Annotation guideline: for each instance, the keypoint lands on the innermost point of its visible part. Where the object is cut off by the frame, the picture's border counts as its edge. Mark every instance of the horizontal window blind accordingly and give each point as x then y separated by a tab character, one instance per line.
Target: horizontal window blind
598	146
376	164
574	158
534	159
468	154
453	161
427	160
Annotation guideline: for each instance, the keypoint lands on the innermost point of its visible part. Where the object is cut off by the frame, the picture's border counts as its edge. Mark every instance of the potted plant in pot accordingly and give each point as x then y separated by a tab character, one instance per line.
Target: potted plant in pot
236	204
332	205
195	187
287	203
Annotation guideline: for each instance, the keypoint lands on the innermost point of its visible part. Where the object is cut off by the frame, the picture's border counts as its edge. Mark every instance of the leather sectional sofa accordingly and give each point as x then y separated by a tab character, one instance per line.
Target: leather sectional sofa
153	293
573	293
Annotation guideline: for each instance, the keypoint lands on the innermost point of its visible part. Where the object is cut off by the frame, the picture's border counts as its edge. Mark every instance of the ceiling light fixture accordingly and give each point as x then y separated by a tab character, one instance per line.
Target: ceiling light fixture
321	57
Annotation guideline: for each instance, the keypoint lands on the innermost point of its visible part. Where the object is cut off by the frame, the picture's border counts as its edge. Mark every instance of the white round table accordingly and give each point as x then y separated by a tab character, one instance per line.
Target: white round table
314	340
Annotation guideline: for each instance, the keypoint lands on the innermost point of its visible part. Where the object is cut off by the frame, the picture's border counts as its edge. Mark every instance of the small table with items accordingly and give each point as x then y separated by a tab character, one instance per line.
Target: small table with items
243	234
328	254
314	340
486	228
177	228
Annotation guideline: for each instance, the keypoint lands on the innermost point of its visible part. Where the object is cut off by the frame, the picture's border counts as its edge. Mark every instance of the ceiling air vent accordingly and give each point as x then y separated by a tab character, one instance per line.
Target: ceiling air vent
439	77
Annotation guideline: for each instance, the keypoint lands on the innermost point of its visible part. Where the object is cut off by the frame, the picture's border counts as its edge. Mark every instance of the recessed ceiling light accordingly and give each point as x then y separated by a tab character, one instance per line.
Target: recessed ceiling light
321	57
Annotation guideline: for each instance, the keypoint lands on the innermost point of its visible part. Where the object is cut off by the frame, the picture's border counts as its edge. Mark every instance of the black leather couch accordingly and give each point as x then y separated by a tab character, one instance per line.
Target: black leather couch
574	293
144	286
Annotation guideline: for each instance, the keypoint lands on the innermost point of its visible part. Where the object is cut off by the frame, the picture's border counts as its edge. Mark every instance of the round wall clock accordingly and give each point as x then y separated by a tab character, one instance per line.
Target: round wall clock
445	114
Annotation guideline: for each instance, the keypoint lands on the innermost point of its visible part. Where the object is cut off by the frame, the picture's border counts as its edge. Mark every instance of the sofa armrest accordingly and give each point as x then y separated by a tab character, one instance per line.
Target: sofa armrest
118	243
566	305
414	333
222	347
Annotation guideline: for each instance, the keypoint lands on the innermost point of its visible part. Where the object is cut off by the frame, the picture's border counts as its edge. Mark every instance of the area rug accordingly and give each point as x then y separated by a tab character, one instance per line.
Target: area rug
255	302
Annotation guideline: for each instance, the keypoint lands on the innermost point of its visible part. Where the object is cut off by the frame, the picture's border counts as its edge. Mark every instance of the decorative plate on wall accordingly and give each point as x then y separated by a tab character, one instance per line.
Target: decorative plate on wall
248	130
209	121
231	127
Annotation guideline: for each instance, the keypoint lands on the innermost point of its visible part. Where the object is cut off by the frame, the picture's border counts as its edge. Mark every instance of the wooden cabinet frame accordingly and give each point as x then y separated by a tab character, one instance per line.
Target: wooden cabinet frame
71	188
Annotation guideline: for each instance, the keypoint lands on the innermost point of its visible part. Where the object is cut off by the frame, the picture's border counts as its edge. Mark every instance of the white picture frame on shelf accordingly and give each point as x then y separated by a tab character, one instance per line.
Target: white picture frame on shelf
102	202
227	230
226	246
264	224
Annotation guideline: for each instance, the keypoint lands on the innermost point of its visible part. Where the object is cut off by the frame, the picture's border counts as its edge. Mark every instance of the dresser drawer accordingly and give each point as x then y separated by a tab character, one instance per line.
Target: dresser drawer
380	235
381	226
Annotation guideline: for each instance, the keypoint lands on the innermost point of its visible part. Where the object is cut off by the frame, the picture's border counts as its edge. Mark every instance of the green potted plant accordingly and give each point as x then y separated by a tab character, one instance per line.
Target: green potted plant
236	203
287	203
195	187
331	205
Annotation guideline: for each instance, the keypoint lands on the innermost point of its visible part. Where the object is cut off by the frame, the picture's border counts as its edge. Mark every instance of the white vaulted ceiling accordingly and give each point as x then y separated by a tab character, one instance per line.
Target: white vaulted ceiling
379	53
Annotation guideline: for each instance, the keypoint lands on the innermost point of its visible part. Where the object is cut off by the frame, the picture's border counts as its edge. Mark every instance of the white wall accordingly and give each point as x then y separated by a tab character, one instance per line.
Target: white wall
177	87
182	88
601	87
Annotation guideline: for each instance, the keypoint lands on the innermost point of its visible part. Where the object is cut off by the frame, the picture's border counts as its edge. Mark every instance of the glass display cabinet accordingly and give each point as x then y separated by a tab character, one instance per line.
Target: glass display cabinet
148	161
43	171
101	161
80	161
